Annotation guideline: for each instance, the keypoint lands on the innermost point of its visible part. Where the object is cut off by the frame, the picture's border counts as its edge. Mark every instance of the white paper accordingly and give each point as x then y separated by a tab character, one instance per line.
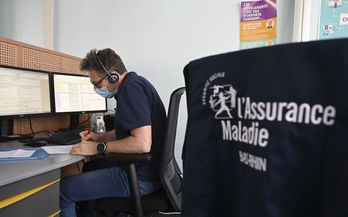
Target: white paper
57	149
16	153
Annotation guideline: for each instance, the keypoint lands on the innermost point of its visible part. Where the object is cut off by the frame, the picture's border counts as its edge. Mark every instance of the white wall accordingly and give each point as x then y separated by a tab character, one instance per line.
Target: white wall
285	12
314	21
155	38
23	21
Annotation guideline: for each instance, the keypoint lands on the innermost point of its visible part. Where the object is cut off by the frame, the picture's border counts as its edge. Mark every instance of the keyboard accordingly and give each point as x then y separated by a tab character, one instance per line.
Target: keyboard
65	138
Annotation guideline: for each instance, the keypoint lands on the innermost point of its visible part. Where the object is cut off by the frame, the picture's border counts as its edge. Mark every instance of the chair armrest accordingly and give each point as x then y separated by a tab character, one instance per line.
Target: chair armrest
127	157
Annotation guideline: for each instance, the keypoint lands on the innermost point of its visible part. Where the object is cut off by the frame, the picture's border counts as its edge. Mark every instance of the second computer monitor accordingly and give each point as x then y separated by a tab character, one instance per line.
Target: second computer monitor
75	94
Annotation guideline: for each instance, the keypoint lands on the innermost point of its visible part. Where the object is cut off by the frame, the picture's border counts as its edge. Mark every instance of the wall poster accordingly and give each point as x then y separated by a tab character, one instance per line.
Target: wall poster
333	19
258	23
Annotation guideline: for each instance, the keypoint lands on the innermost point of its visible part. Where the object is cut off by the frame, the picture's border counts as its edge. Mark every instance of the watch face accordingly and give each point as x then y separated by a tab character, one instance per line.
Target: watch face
101	147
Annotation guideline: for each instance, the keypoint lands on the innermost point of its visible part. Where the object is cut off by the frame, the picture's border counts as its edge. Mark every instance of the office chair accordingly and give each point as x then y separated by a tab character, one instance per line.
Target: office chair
267	132
168	198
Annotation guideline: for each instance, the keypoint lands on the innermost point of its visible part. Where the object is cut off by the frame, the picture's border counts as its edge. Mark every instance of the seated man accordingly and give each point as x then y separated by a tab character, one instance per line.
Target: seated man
139	128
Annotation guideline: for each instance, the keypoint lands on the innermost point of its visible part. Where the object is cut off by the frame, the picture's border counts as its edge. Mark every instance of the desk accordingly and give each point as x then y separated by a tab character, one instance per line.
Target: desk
31	187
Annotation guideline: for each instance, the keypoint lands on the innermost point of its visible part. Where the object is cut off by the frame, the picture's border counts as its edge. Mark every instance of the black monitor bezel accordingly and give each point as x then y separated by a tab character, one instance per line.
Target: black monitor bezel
72	112
4	117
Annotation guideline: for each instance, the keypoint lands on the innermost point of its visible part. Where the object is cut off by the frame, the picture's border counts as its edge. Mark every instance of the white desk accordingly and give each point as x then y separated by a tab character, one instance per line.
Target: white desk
31	187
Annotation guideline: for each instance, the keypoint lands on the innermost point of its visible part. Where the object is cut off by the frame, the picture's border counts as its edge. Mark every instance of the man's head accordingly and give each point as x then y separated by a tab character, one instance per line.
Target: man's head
105	68
270	23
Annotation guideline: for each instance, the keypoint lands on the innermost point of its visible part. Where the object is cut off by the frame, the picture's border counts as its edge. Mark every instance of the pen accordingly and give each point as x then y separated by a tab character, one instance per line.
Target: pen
89	129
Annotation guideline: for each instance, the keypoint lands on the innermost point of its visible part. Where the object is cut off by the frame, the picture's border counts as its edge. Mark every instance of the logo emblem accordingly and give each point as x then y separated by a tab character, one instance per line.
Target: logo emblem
222	100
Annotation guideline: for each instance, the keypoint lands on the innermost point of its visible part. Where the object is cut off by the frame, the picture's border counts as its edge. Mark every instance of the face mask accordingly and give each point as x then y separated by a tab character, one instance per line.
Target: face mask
104	92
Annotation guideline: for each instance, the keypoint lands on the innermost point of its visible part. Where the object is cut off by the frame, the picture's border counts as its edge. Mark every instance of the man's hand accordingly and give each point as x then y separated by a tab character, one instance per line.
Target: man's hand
91	136
86	148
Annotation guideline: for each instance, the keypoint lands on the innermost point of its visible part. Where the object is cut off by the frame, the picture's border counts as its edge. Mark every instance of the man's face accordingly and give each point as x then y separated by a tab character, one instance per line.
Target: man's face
97	80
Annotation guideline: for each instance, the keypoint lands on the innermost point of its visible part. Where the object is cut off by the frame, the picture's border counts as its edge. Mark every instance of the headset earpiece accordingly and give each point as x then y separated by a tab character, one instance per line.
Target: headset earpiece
112	78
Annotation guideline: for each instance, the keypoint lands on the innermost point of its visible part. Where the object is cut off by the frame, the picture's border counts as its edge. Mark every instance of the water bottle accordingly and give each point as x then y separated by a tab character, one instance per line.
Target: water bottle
100	124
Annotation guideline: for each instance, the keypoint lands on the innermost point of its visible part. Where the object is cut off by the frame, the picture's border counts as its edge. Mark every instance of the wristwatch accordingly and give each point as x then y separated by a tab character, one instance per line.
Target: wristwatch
101	148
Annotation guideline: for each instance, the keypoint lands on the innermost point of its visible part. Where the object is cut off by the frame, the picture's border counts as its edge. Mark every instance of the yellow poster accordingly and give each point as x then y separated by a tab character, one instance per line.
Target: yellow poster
258	23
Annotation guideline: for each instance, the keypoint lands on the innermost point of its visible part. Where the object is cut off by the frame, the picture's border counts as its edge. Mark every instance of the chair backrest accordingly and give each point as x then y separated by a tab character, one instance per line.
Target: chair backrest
267	132
170	173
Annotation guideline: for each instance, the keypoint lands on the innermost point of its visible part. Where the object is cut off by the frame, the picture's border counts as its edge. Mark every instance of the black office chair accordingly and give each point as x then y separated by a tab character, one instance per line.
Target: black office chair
300	170
168	198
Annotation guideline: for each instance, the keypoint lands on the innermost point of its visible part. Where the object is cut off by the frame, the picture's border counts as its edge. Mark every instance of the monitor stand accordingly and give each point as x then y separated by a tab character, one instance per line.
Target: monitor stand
6	127
74	121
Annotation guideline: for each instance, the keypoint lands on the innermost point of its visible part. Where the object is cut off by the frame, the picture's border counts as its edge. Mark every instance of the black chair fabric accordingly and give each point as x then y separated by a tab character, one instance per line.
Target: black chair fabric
150	203
267	132
168	198
170	172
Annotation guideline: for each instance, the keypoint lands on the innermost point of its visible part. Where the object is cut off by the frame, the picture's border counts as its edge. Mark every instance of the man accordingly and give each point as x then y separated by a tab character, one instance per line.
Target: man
270	24
139	128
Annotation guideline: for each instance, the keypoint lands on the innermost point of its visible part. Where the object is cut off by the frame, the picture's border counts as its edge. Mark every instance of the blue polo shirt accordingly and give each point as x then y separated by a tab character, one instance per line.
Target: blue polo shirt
138	105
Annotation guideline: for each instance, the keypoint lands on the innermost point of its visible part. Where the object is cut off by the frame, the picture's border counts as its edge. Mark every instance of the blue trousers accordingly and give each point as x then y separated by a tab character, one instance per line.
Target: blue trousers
107	182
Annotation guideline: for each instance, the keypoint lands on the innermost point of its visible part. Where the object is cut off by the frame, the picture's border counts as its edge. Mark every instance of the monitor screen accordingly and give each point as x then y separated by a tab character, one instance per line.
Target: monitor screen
75	93
24	92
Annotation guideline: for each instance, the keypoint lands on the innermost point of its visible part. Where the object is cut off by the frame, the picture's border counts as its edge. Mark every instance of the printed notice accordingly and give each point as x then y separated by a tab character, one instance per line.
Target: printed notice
258	23
333	19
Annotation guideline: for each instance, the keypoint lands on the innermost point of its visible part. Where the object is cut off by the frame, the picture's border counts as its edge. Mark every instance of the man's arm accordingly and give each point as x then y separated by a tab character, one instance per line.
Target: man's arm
139	141
98	137
105	137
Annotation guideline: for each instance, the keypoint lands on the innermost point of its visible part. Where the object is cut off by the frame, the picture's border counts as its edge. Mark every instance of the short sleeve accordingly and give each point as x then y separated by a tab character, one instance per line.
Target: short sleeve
133	107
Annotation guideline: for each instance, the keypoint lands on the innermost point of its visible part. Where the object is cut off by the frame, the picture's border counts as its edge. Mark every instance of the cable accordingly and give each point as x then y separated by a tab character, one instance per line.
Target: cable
47	132
88	118
28	138
32	136
79	125
31	127
82	123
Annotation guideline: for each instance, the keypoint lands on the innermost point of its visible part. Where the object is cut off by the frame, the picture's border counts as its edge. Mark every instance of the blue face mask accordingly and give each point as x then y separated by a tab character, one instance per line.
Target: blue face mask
104	92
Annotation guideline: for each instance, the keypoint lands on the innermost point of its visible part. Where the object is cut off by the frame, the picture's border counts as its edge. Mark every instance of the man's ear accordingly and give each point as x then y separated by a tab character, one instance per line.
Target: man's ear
113	77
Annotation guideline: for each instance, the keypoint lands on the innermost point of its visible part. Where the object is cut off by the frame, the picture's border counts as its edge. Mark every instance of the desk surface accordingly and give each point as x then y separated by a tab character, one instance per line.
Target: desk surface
12	171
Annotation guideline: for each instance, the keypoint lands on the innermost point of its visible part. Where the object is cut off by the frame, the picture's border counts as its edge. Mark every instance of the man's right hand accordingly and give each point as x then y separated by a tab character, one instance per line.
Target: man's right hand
91	136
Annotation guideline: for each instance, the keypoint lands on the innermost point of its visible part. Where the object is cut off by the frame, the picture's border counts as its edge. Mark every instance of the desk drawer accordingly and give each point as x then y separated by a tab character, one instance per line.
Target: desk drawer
42	203
40	200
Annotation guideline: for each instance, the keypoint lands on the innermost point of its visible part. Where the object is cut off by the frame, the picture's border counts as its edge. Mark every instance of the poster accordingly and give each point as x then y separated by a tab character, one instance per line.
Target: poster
258	23
333	19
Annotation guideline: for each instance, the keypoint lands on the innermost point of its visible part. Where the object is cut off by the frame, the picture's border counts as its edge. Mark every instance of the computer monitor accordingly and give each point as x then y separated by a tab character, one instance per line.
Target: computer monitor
75	94
23	92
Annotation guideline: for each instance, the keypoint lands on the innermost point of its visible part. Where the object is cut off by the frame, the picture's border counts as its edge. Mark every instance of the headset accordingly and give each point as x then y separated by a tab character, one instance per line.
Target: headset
112	78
